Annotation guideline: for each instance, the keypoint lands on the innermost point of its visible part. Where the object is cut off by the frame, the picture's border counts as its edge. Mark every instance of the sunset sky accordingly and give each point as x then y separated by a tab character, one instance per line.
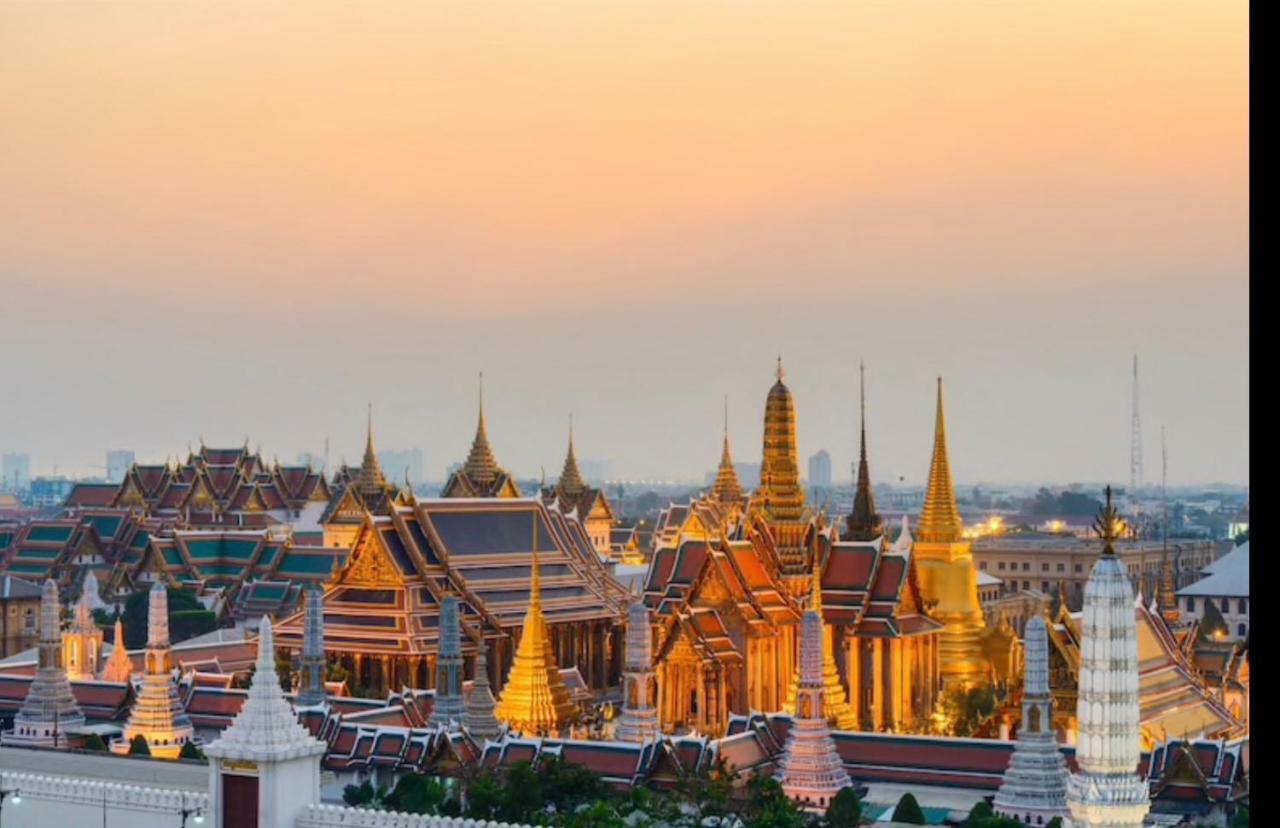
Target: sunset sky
230	219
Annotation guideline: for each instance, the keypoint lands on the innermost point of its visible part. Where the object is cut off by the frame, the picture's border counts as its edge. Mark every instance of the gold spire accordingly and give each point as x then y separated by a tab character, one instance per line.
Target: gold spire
940	520
481	466
535	700
863	522
570	482
726	488
370	478
780	492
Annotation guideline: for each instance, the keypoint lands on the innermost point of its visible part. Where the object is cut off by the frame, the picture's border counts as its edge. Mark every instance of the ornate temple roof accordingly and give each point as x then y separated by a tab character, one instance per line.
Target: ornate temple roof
727	489
940	519
385	597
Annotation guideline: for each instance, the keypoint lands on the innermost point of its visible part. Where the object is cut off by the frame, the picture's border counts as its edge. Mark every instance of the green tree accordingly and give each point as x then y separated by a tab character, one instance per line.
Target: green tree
94	742
365	795
768	807
1056	822
139	746
190	751
908	811
1241	819
417	794
187	617
845	810
980	811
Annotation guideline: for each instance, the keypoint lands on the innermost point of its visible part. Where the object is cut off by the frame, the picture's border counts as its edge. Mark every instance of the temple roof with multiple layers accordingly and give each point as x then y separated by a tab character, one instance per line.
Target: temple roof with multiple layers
385	598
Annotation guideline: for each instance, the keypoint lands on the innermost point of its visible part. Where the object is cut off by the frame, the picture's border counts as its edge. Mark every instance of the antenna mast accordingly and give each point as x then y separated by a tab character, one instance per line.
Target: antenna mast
1135	447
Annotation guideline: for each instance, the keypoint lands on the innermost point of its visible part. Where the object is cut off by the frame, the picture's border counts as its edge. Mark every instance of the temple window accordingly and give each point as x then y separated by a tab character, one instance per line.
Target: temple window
1191	604
1242	606
1226	605
1242	630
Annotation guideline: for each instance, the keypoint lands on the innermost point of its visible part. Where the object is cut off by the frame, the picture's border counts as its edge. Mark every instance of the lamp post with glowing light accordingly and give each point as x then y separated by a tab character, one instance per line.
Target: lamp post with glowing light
12	794
196	814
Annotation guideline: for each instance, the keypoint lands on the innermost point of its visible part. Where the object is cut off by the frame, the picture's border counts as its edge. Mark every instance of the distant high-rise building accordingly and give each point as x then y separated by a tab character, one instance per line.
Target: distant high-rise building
596	471
50	491
118	463
16	468
820	470
396	463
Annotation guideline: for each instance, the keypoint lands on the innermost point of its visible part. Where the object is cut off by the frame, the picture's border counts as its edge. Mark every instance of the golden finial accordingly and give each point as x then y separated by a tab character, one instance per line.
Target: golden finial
1107	524
778	372
815	595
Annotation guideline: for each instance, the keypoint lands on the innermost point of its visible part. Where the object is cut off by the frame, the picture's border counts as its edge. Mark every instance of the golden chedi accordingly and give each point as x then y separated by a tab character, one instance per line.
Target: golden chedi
948	579
780	498
535	700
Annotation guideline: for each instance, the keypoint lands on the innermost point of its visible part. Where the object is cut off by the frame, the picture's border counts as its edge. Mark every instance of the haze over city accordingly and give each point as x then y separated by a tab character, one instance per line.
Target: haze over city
218	229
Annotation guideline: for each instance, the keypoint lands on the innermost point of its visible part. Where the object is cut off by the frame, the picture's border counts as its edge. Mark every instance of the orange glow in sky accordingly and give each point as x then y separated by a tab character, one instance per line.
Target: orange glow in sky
267	213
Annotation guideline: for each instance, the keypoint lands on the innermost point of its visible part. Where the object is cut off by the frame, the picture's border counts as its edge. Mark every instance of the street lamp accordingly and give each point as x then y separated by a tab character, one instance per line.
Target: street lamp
196	814
9	793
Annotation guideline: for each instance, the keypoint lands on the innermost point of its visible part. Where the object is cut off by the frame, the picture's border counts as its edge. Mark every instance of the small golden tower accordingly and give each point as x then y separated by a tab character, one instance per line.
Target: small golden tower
535	700
948	579
779	498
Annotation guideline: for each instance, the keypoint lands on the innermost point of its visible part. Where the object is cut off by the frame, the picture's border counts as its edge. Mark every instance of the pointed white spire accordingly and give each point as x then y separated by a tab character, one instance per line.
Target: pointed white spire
266	728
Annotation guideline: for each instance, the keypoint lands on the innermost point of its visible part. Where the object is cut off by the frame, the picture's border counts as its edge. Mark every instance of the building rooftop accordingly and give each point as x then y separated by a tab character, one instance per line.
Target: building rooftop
1228	577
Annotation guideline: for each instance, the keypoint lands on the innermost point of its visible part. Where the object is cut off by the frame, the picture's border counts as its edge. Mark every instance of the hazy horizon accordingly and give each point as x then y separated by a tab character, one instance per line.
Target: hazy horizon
231	220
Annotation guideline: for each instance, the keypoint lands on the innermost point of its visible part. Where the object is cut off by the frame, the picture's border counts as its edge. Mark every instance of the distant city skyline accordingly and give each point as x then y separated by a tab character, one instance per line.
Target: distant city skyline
961	193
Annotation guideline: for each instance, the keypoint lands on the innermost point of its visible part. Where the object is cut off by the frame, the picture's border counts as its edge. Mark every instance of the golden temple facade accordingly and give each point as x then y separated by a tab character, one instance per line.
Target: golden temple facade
948	578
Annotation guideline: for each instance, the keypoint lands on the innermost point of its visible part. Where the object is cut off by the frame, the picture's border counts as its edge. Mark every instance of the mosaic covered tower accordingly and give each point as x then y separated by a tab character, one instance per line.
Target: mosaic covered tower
82	644
1034	787
157	715
369	480
835	702
449	708
1107	790
810	770
535	700
639	719
311	687
780	498
478	718
49	710
948	579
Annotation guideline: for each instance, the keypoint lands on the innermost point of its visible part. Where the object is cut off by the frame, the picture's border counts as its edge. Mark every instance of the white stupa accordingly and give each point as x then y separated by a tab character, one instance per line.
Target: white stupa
1035	784
449	708
49	710
1107	791
810	769
639	719
266	741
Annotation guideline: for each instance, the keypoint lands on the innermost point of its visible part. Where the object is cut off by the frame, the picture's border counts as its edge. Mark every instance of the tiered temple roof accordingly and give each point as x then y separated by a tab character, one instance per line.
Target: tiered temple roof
385	598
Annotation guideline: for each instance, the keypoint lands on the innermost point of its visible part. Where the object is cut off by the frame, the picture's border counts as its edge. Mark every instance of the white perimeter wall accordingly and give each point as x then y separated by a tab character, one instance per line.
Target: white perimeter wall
68	802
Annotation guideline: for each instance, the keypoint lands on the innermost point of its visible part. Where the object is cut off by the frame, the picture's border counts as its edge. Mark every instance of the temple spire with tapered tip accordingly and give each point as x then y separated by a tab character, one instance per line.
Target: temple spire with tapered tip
726	488
370	479
863	522
481	466
940	519
570	482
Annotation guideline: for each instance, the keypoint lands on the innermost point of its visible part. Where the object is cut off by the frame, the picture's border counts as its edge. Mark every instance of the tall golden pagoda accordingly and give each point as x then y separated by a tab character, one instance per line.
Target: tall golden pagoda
835	703
948	579
780	498
535	700
727	489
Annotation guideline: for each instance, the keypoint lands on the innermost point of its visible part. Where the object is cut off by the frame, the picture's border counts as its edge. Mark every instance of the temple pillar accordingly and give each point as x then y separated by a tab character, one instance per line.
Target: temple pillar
850	647
877	683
